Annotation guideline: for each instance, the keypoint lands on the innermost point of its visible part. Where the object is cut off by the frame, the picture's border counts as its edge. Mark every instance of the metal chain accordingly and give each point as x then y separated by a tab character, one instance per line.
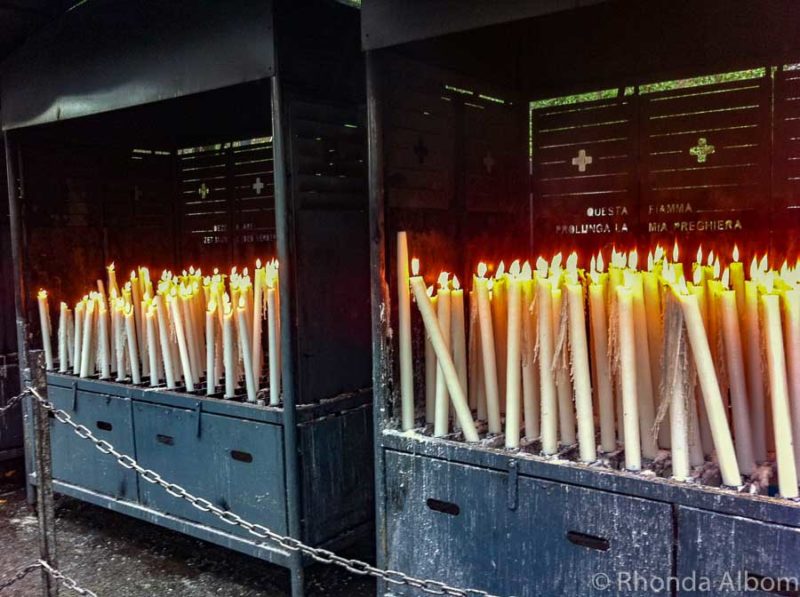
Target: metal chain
324	556
65	580
21	573
12	402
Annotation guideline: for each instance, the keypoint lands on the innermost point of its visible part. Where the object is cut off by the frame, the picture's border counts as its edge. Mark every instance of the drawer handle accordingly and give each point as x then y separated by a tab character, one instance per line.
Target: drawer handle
590	541
775	586
104	425
167	440
241	456
443	507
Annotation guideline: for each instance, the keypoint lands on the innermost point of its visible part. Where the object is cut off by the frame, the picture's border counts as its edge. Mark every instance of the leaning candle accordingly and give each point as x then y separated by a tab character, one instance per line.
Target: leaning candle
580	364
548	414
118	326
779	393
44	320
133	354
273	340
227	348
442	404
755	375
183	348
513	357
487	351
605	393
166	345
404	334
247	350
458	339
677	391
448	368
566	412
63	338
731	335
712	397
430	372
791	302
87	351
628	374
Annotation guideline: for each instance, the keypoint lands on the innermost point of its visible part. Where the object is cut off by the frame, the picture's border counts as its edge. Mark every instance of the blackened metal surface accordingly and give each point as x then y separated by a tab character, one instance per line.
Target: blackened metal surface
389	23
11	421
141	52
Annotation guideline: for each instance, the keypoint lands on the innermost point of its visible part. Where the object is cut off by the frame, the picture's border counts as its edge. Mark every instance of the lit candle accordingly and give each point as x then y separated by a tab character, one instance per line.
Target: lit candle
430	371
599	323
500	328
273	338
737	281
644	380
211	382
487	351
152	346
652	307
63	338
675	370
103	340
87	350
779	393
247	351
513	357
133	354
566	413
755	375
227	348
628	374
580	363
136	302
78	337
44	320
259	281
530	373
458	338
113	289
698	289
446	364
791	302
473	355
548	413
164	341
442	409
118	326
731	335
712	397
183	348
190	334
404	334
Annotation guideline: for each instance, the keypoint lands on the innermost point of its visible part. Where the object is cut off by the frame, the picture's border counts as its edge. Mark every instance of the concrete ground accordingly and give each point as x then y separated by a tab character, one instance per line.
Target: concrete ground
114	555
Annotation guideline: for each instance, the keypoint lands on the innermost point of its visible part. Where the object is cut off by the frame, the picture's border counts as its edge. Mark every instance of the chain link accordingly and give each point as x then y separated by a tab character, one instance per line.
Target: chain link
20	574
12	402
65	580
322	556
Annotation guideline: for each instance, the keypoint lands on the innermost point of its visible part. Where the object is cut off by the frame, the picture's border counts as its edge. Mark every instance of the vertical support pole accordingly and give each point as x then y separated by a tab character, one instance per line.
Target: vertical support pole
44	476
382	368
18	253
284	224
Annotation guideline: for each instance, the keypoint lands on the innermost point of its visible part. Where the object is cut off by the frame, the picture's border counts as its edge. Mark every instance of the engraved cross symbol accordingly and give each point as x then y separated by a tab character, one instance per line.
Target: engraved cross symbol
258	186
203	191
488	162
420	150
582	160
702	150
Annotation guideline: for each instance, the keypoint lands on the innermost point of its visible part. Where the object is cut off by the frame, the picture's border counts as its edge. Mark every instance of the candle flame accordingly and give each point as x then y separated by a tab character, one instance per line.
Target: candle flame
456	284
515	268
555	264
258	263
601	266
42	294
592	265
697	276
699	258
482	270
754	269
650	261
110	268
716	268
659	253
541	266
726	278
430	291
501	270
711	257
763	266
443	280
415	267
675	252
633	260
526	271
572	262
736	253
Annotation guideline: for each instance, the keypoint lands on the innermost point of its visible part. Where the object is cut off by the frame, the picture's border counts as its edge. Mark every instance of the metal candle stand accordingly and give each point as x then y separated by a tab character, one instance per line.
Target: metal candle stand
288	76
447	90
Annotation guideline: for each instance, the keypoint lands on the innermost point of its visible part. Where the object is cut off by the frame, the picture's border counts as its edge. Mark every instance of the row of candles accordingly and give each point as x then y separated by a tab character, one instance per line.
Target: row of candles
656	361
188	328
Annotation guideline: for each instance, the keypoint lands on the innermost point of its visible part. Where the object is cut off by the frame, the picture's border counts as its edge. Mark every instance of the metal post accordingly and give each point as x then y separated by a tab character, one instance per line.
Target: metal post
44	476
20	296
284	224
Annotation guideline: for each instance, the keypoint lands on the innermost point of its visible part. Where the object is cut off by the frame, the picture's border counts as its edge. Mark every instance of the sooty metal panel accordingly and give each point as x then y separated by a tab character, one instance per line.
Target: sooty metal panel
514	535
76	460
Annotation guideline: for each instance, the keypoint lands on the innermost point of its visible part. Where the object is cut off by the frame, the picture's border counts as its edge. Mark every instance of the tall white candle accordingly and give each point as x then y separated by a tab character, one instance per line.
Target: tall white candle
87	353
580	368
678	391
273	318
779	393
738	386
189	332
513	357
228	350
530	373
500	327
152	345
628	374
103	349
548	413
63	338
404	334
183	348
605	392
712	397
566	409
164	342
487	351
430	372
211	322
791	302
136	302
247	351
457	395
259	282
755	375
644	379
458	339
47	332
442	409
133	353
80	306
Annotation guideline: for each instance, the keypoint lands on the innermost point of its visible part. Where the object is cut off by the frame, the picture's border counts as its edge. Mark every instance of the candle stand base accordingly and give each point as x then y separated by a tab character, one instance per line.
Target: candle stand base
231	453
